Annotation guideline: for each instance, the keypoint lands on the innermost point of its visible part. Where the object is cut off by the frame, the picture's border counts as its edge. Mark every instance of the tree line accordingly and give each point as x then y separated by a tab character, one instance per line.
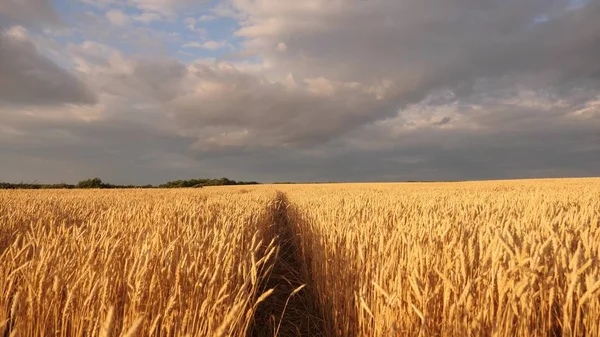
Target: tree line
97	183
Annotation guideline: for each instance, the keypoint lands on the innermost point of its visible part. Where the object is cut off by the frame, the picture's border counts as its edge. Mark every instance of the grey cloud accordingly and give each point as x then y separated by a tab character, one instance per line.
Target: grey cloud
129	151
118	149
28	77
482	51
159	78
29	12
433	155
275	114
361	72
448	155
510	141
424	45
150	80
419	47
442	121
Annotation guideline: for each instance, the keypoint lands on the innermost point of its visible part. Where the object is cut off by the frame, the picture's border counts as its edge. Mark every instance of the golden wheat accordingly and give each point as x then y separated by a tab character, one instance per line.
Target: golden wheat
514	258
110	263
511	258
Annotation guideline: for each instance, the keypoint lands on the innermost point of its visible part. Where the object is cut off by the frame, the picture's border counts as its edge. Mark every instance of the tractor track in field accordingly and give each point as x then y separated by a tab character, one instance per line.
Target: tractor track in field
302	316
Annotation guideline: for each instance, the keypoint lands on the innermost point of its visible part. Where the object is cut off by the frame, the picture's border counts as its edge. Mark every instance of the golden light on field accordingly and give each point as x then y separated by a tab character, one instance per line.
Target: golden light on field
511	258
110	263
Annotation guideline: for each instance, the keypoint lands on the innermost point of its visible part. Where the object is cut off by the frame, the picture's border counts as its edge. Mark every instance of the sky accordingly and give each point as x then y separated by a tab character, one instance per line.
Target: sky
146	91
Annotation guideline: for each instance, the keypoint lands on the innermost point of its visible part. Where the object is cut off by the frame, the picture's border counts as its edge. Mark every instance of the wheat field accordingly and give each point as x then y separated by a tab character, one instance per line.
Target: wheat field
498	258
132	263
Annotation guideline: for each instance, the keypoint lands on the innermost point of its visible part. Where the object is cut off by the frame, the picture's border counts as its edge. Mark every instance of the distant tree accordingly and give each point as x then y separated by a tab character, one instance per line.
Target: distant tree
196	183
90	183
97	183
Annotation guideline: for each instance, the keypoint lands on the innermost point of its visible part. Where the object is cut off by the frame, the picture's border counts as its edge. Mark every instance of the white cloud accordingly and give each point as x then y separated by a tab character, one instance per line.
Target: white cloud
214	45
118	18
207	18
147	17
281	47
190	23
17	33
589	110
192	45
210	45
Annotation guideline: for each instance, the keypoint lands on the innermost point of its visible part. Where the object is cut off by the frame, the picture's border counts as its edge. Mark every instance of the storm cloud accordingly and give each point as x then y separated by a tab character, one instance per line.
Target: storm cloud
304	90
28	77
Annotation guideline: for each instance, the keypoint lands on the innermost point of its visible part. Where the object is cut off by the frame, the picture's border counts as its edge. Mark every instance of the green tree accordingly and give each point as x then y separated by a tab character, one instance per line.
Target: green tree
90	183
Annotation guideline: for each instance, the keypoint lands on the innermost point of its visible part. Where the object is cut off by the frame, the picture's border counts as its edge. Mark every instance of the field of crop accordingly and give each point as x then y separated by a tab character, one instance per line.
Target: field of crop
511	258
132	263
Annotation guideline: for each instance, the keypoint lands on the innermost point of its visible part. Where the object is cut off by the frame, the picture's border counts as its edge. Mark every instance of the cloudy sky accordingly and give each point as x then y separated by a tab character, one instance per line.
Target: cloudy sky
144	91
